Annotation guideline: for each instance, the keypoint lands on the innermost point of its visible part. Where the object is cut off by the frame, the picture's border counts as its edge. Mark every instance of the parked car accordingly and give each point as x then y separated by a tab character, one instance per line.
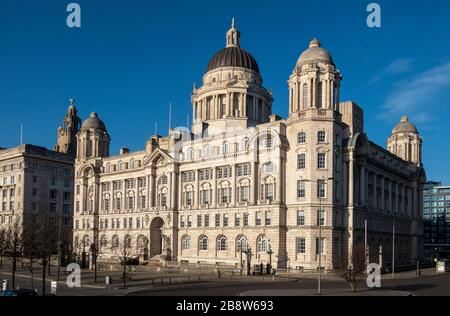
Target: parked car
21	292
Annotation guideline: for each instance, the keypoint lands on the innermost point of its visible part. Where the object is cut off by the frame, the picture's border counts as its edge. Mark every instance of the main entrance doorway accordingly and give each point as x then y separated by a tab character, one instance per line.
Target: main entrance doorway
156	237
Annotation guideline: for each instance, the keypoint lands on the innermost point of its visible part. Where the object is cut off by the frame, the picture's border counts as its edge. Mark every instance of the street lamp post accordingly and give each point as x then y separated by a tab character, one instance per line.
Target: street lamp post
319	224
270	253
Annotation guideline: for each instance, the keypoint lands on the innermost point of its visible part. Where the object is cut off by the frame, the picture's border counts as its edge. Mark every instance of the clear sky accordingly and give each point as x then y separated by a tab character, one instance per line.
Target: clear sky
131	58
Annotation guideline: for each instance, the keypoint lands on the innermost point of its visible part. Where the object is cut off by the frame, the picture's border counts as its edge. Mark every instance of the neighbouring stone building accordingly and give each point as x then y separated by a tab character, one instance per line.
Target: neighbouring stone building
36	181
243	179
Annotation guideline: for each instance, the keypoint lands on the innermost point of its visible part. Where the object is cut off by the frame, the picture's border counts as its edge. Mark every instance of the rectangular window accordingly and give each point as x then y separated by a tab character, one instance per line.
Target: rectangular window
268	192
217	223
321	161
320	217
301	245
301	189
301	161
321	189
237	220
258	219
321	137
246	217
199	221
182	221
300	218
206	220
189	221
130	203
225	220
268	218
319	245
244	194
130	223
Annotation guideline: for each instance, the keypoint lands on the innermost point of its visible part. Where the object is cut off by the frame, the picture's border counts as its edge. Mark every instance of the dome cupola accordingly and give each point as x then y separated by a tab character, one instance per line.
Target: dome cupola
233	55
315	53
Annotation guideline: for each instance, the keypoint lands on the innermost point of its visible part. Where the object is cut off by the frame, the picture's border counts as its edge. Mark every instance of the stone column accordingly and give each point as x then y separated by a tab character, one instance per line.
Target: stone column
375	186
255	117
233	186
279	184
351	179
383	204
362	185
254	183
230	103
197	189
244	105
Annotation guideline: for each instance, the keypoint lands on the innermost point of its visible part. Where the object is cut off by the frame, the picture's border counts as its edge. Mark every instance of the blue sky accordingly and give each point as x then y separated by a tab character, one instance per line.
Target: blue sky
131	58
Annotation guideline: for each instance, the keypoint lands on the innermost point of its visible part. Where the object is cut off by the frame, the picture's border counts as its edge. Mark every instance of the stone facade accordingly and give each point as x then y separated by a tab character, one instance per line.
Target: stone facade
245	179
35	181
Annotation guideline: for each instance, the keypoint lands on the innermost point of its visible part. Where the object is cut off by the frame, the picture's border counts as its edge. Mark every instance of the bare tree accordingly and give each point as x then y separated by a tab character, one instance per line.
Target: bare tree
4	241
15	244
355	270
30	247
124	250
46	243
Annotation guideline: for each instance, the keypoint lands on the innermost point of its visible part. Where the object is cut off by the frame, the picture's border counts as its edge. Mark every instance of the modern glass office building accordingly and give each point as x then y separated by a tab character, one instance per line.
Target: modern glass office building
436	220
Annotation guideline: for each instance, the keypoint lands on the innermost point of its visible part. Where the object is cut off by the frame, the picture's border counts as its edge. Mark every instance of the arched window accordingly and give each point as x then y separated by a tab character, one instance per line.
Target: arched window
226	148
115	241
269	168
222	244
103	242
186	243
241	244
203	244
319	94
305	96
190	154
244	144
263	244
207	151
127	241
301	138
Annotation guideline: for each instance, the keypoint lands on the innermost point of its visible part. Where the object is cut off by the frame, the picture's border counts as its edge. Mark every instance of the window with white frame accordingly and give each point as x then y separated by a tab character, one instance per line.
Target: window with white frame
222	244
186	244
301	189
258	218
321	160
301	138
263	244
225	220
301	245
305	98
268	218
217	220
321	189
320	217
319	245
301	218
321	137
301	161
203	244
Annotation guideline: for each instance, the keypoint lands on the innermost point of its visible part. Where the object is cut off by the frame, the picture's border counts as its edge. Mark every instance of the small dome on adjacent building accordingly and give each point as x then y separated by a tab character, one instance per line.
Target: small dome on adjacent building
93	122
315	53
405	126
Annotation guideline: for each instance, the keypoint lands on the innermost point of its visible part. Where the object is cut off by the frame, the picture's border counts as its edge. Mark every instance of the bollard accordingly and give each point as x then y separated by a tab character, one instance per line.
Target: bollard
5	285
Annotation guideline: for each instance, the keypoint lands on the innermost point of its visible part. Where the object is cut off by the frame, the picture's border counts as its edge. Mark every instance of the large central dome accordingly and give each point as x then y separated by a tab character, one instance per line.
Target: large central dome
233	55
